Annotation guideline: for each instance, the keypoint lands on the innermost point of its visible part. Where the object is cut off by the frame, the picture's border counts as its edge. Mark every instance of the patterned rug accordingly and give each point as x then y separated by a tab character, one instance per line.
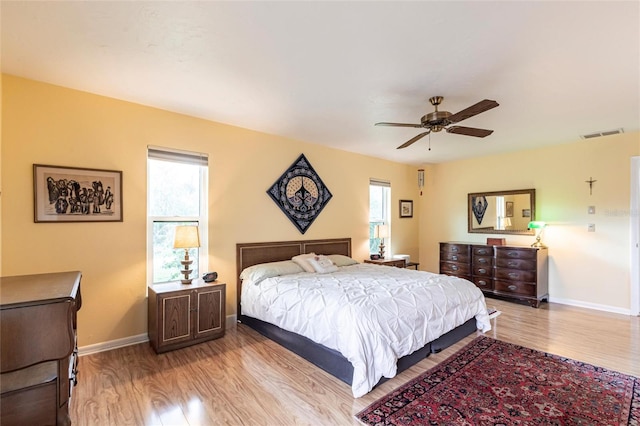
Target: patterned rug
490	382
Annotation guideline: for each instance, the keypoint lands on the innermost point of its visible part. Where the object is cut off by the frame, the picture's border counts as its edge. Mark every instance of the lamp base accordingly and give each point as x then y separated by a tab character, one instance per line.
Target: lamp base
538	243
381	252
186	271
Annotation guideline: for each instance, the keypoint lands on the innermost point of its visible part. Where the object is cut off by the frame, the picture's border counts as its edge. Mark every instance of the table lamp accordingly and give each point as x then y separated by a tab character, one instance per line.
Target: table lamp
538	227
186	237
382	232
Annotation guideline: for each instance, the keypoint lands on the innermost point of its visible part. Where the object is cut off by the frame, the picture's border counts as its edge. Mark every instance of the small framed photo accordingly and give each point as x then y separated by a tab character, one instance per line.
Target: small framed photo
526	212
509	209
73	194
406	208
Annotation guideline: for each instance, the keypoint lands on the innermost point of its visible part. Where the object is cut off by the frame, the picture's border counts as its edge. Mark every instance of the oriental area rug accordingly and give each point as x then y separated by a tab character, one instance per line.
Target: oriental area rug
489	382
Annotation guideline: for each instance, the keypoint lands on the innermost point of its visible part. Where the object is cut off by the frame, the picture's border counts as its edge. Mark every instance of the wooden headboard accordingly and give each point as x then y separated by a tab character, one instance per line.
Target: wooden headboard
249	254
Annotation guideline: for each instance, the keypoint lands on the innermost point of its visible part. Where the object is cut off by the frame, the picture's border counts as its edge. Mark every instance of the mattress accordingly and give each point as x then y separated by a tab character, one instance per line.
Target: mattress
371	314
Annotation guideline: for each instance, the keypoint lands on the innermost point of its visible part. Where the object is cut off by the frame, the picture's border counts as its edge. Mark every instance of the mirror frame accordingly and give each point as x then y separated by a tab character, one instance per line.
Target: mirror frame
532	201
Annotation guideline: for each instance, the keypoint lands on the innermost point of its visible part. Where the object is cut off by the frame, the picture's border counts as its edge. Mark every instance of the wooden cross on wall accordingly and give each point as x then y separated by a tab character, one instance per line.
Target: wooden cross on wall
590	182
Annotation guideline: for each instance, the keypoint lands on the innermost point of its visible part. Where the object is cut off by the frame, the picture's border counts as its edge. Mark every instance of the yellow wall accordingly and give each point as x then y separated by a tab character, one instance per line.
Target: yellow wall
46	124
588	269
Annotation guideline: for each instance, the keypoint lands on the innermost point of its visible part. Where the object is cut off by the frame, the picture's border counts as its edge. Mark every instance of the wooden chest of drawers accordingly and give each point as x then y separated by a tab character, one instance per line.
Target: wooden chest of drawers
507	271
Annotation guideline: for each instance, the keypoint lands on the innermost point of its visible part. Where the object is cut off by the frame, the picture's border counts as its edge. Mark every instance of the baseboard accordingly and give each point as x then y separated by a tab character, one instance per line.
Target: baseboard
230	321
112	344
587	305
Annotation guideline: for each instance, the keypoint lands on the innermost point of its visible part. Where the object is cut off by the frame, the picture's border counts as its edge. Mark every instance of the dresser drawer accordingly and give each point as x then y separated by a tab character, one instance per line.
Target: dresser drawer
525	264
515	253
483	261
483	271
515	287
515	275
482	251
454	257
455	248
483	283
451	268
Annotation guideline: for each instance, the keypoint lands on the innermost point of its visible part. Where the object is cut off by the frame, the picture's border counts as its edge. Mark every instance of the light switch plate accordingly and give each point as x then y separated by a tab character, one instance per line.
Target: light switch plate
592	227
591	210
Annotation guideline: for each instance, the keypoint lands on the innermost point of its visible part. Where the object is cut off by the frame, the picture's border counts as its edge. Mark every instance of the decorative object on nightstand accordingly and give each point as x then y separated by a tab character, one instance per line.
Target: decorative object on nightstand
538	227
186	237
382	232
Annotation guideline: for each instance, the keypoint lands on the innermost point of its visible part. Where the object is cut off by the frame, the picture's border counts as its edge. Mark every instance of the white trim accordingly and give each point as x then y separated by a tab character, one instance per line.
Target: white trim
113	344
230	322
587	305
634	221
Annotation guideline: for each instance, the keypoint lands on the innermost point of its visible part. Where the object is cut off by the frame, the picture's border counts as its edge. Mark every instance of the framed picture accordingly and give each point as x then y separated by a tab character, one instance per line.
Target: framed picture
73	194
526	212
406	208
509	209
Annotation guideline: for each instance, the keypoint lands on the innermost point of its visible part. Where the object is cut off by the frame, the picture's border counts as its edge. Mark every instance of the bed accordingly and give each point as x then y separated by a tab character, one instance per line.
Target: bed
329	358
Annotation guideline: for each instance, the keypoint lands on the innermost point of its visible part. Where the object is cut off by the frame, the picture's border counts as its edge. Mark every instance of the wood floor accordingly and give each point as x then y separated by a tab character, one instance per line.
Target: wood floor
245	379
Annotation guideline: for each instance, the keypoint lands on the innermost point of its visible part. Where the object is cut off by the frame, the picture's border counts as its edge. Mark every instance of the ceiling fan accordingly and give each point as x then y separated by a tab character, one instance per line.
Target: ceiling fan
439	120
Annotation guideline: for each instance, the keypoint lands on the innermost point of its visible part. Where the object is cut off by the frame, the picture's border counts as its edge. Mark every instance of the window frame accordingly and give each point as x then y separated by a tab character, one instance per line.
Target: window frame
184	157
386	213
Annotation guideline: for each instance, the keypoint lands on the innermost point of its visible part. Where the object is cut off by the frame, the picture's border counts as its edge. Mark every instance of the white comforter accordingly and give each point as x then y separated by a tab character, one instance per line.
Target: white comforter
371	314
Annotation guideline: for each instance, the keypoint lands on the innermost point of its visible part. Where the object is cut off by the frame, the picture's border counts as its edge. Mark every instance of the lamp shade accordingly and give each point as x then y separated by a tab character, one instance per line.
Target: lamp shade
186	237
382	231
536	225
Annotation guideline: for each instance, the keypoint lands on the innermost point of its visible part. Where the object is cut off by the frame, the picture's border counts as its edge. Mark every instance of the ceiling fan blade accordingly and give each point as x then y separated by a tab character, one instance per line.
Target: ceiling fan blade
399	125
469	131
476	109
414	139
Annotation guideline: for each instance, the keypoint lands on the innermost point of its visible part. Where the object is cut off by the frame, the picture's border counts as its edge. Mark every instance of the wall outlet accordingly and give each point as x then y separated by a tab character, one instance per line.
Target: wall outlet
591	210
591	227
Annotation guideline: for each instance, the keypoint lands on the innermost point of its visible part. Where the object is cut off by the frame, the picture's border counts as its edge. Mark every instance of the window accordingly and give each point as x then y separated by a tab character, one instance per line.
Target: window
177	195
379	210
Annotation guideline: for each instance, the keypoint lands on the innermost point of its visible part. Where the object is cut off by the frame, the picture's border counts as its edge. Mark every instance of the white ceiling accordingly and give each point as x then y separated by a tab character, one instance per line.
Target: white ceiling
325	72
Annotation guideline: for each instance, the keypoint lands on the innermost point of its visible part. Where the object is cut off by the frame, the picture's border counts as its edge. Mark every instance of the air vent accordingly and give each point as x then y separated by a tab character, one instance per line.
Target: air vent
605	133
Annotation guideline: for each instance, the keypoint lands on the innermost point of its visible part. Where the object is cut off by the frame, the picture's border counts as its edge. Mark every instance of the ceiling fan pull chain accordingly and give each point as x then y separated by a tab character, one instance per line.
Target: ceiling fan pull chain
429	141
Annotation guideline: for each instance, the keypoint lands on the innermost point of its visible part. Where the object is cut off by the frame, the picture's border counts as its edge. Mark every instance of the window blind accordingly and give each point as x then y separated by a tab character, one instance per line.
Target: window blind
379	182
177	156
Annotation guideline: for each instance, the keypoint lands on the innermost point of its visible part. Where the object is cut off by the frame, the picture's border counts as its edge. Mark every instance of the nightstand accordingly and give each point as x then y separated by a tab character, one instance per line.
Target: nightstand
181	315
398	263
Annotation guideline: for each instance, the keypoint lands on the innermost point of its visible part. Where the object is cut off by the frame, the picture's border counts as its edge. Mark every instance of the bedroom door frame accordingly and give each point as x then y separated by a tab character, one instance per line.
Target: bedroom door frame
634	216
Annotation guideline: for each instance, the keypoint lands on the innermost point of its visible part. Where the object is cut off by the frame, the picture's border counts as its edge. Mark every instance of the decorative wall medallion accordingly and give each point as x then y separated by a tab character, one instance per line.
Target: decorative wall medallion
300	193
479	207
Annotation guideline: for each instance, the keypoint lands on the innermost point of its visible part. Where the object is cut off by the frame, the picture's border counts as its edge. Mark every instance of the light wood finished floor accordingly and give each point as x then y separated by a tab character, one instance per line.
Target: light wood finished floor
245	379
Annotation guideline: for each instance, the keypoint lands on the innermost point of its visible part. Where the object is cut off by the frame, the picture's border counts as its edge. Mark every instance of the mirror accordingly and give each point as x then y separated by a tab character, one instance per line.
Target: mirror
501	212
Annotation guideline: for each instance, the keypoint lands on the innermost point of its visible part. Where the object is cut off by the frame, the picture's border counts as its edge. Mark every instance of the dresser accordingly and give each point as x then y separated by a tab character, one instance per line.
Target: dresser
185	314
38	352
512	272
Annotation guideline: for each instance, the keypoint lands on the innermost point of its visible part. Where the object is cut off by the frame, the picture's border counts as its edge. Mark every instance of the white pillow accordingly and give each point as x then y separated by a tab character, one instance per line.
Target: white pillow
341	260
322	264
303	261
257	273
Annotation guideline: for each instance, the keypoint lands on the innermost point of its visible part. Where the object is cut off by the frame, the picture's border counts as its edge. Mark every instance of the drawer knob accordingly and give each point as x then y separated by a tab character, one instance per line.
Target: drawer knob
512	287
482	282
513	275
454	249
512	264
454	267
512	254
454	257
482	271
482	251
482	260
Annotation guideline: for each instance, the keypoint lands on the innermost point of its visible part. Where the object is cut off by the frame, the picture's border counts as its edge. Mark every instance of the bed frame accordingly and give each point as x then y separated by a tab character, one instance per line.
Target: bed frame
331	361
